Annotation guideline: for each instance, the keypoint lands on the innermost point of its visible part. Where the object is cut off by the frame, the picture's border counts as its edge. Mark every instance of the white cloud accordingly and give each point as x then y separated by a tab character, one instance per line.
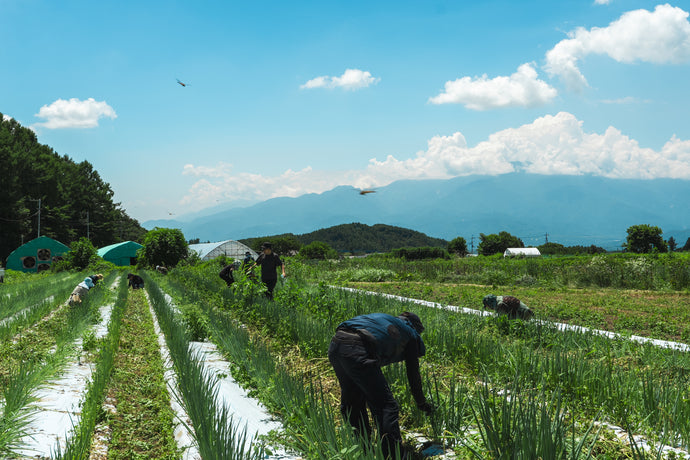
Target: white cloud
602	2
74	113
551	145
660	37
521	89
6	117
351	79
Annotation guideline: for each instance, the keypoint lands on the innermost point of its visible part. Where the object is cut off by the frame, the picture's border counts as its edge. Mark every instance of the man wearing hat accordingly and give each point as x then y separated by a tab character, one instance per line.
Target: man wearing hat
269	262
360	347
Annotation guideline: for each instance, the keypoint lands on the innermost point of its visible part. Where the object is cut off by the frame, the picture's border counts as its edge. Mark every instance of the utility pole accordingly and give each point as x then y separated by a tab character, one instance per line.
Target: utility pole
472	245
39	215
546	238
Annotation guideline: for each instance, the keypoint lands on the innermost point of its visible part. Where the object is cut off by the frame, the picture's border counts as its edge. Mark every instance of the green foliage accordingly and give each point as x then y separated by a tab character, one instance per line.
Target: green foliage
420	253
282	244
353	238
497	243
81	254
318	250
163	246
645	238
458	246
67	190
559	249
672	245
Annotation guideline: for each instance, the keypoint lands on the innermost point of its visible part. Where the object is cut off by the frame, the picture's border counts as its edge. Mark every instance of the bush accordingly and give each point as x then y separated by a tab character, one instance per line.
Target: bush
318	250
420	253
81	255
163	246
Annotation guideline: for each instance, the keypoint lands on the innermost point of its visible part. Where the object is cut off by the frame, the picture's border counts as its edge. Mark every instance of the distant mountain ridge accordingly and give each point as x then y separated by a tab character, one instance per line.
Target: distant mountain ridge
358	238
565	209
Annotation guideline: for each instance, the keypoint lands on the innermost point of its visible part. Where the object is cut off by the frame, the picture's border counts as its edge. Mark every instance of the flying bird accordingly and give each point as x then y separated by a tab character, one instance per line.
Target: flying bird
365	192
181	84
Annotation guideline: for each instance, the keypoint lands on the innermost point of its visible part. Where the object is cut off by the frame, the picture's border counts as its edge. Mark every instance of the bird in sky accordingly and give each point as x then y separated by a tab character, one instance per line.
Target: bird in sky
365	192
181	84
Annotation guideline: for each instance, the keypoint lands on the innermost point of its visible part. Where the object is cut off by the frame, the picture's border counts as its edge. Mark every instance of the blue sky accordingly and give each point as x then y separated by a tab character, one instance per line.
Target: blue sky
286	98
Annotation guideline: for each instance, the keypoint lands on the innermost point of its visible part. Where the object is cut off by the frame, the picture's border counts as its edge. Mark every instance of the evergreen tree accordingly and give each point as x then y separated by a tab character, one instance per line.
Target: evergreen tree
75	201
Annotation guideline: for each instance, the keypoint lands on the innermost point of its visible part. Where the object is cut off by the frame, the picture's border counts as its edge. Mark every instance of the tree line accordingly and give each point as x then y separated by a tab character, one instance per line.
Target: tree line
75	201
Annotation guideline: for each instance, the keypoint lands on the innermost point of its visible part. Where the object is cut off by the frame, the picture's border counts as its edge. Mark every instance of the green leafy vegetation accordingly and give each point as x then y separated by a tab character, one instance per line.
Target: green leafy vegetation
559	383
68	191
352	238
163	246
142	424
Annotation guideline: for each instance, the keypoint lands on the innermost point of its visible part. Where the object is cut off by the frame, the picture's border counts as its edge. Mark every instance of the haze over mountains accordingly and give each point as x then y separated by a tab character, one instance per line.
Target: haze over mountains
570	209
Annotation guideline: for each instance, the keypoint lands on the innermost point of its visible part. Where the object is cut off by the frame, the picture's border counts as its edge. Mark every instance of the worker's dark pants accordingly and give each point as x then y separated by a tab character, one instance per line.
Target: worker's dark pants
362	383
270	285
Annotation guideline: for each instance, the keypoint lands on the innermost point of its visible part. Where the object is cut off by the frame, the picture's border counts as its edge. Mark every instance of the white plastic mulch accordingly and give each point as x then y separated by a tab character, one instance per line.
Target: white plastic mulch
561	326
247	412
619	432
58	402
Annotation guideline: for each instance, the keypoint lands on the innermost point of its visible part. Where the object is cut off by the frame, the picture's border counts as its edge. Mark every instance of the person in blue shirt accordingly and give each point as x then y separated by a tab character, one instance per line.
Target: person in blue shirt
360	347
81	290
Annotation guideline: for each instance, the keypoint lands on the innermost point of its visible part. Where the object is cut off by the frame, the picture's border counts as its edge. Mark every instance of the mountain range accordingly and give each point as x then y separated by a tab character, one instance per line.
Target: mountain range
571	210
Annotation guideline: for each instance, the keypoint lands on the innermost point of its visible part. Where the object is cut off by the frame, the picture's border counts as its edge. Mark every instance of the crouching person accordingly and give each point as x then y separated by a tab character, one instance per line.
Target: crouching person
508	305
360	347
81	290
135	281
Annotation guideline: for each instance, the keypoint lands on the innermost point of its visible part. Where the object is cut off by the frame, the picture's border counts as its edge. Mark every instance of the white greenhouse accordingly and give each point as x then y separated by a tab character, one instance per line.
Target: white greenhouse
228	248
522	252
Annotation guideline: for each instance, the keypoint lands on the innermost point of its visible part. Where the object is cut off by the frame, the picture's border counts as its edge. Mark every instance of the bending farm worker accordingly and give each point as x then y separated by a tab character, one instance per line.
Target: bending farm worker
269	262
135	281
81	290
360	347
507	305
226	274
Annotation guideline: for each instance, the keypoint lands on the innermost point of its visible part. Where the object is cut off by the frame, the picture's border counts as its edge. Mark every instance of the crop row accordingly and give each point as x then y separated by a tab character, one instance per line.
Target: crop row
639	387
623	271
33	356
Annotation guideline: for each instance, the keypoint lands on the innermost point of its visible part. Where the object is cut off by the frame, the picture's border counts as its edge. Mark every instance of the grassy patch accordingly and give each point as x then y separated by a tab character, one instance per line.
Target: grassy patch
142	425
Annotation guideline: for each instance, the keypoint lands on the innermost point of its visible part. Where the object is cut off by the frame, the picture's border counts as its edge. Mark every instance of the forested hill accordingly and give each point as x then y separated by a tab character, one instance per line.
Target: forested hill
69	192
361	238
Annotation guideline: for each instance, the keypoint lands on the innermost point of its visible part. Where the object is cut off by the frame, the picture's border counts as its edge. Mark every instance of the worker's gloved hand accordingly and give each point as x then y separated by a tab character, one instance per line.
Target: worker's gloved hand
427	407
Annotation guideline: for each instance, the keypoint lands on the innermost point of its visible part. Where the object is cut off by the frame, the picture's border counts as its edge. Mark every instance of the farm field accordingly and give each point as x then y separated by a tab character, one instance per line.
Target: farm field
502	389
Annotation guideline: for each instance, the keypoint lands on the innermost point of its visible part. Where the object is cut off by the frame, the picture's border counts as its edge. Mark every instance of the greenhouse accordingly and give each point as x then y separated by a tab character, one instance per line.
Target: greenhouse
121	254
522	252
228	248
37	255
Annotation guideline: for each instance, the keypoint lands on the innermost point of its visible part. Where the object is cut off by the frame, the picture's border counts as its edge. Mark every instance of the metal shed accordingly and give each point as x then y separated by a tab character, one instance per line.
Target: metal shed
121	254
37	255
522	252
229	248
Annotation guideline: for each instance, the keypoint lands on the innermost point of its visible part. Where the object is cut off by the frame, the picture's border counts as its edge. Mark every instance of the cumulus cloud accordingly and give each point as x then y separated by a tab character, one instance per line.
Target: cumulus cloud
661	36
351	79
521	89
74	113
551	145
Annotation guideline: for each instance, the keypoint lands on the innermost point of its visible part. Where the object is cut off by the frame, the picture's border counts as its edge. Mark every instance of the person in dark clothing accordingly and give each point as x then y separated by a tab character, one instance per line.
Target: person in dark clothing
269	262
135	281
360	347
226	274
507	305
